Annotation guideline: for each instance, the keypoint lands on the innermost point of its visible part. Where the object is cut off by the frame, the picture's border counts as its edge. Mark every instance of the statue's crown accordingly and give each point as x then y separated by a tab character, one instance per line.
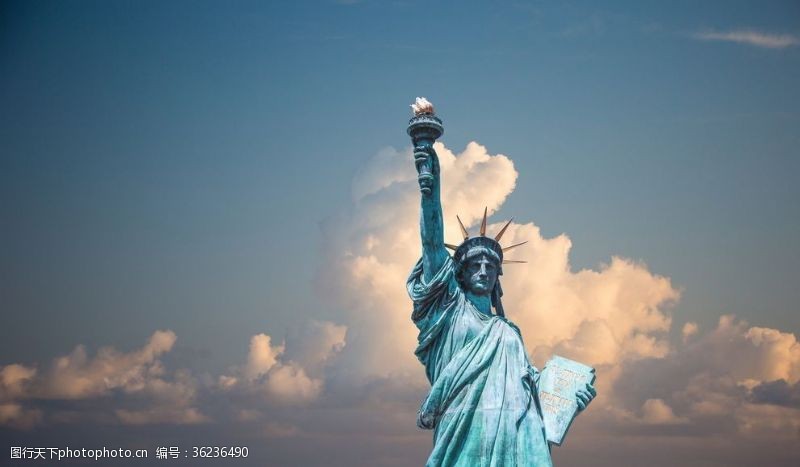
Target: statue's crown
492	244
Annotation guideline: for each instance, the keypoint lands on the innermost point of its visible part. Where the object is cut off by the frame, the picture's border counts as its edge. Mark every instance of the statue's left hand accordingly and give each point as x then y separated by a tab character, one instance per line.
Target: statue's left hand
584	396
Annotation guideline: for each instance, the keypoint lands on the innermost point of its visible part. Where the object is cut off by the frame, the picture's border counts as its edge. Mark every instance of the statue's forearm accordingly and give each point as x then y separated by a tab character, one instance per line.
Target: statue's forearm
431	224
432	232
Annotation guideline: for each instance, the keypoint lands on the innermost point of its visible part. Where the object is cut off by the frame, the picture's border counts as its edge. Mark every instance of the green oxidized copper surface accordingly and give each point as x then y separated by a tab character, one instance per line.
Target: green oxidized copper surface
483	404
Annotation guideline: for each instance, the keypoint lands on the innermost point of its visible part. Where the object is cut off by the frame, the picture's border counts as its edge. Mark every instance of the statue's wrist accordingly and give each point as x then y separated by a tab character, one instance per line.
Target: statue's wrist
431	194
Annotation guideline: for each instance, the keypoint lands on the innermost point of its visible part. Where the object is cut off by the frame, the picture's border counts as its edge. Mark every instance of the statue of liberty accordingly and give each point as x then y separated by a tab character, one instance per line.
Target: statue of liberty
483	403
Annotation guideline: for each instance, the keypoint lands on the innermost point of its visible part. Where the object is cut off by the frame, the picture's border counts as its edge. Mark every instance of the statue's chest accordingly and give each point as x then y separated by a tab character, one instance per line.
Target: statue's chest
467	323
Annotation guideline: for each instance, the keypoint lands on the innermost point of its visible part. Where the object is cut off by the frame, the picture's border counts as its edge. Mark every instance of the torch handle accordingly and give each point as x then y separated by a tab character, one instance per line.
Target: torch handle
423	158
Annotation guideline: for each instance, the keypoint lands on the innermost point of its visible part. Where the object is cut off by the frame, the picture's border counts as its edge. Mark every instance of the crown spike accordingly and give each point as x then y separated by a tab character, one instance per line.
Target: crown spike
483	222
507	261
514	246
463	229
503	230
452	247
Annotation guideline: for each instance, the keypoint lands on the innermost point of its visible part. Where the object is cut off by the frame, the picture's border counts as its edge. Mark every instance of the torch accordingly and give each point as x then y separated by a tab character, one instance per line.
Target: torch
424	128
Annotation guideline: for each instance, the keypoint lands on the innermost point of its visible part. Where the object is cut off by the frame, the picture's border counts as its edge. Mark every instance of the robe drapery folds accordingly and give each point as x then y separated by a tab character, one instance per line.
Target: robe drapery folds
482	404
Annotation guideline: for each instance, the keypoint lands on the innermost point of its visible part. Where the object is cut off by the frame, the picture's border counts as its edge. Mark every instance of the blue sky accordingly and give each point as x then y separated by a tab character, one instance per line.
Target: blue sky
169	138
169	165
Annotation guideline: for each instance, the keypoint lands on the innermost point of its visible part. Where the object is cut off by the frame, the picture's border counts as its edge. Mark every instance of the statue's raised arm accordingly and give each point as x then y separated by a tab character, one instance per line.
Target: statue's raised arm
424	128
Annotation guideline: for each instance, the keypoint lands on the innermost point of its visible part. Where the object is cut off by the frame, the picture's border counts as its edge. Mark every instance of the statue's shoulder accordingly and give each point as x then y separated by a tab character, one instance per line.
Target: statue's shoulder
510	324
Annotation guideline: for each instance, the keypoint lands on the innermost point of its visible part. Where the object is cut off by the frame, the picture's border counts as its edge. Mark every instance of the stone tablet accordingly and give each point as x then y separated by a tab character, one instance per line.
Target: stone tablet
559	382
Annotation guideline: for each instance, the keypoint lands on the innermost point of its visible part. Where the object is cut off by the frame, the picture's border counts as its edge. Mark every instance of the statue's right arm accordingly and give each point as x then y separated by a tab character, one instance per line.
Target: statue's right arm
431	224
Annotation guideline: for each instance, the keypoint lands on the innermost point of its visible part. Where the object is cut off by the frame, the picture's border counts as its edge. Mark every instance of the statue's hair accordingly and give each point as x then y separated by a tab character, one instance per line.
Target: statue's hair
482	250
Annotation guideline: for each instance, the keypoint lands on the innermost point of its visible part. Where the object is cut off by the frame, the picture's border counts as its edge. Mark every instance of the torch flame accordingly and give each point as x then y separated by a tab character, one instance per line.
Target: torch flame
422	106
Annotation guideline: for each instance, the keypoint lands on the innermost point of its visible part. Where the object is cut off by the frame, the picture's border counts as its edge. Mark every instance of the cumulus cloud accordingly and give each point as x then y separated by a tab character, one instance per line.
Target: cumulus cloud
606	315
138	374
749	37
291	385
657	412
262	356
134	388
314	344
735	376
76	376
14	380
292	377
747	352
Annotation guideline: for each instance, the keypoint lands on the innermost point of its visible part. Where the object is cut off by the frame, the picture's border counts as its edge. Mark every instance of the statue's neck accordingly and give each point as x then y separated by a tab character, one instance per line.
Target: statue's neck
482	302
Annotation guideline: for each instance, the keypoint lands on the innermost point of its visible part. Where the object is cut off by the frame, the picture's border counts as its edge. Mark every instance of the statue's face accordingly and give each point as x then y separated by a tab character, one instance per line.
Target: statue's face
480	275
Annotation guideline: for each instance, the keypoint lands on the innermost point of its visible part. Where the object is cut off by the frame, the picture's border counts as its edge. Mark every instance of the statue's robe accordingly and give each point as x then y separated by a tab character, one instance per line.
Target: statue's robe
482	404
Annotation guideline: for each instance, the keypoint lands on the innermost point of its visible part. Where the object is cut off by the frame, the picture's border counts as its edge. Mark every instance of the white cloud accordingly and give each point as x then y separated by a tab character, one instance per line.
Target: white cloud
743	352
603	316
14	380
657	412
750	37
600	317
735	375
289	384
138	376
262	356
313	345
144	392
76	376
289	373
